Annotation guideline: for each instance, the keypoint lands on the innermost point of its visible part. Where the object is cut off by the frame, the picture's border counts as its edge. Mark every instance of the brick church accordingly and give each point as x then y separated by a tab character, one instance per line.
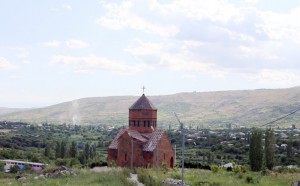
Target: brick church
141	144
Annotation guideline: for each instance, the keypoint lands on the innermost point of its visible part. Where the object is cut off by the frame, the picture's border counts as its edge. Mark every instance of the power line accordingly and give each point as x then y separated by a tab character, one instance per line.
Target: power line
269	123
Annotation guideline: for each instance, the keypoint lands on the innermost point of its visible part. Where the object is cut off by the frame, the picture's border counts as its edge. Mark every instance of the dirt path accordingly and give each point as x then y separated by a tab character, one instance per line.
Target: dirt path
133	177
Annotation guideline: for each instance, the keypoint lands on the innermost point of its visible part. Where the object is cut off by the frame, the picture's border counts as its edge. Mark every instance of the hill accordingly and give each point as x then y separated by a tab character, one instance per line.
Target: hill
243	107
4	110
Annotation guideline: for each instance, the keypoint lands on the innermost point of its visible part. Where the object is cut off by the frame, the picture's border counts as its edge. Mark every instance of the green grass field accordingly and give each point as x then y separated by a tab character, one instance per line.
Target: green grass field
84	178
194	177
197	177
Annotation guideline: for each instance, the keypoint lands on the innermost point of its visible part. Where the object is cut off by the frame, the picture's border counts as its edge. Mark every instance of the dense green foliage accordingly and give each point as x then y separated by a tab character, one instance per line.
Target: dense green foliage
270	148
256	151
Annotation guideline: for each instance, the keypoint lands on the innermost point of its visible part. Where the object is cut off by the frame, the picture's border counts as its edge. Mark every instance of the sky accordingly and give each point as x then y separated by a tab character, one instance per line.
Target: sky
61	50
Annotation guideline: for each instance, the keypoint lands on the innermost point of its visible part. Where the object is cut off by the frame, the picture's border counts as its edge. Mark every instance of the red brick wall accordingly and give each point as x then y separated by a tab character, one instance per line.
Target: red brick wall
125	150
112	155
143	121
123	155
142	114
148	157
166	152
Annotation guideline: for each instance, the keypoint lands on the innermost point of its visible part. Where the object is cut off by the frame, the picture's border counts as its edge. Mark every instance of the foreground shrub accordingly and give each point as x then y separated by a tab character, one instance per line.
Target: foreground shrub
214	168
97	164
164	167
236	169
14	169
245	168
249	179
175	174
61	162
126	172
111	164
145	178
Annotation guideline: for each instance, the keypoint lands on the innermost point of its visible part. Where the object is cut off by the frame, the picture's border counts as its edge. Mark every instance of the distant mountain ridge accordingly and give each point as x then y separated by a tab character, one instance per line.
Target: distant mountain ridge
4	110
239	107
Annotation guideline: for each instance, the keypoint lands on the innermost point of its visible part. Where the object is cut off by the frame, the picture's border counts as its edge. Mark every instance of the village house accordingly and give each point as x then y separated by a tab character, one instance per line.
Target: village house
141	144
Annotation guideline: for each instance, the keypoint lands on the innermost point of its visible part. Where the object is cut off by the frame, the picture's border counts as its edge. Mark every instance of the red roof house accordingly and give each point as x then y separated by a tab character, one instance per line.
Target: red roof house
141	144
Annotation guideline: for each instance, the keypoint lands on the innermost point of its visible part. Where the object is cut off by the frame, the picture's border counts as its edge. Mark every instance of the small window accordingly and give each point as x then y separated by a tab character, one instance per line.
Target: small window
164	156
125	157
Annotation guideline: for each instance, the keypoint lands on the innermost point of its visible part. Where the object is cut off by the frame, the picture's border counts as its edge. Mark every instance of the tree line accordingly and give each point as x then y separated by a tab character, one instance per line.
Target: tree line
64	150
262	154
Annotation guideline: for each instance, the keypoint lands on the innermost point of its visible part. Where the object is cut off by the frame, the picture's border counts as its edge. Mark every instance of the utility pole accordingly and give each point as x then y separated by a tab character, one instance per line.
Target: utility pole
175	157
131	154
157	160
182	161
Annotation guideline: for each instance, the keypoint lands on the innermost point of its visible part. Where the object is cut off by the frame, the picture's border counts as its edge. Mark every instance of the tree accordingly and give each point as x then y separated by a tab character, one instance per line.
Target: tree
269	148
63	149
47	151
289	150
57	150
93	152
86	151
73	150
256	151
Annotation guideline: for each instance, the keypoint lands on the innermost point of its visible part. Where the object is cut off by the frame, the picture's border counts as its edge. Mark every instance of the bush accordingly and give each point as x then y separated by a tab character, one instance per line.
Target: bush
229	169
164	167
146	178
97	164
111	164
249	179
126	172
74	161
2	164
245	168
236	169
214	168
61	162
14	169
265	172
175	174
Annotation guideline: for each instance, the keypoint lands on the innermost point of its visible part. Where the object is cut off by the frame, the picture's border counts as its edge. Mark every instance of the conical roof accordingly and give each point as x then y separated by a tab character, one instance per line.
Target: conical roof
143	103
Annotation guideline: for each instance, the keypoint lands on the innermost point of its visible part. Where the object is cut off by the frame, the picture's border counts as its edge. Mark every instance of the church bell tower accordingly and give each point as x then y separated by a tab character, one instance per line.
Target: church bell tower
143	116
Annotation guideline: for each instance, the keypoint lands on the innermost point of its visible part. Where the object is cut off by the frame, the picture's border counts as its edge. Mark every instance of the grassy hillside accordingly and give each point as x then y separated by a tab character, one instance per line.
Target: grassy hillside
4	110
245	107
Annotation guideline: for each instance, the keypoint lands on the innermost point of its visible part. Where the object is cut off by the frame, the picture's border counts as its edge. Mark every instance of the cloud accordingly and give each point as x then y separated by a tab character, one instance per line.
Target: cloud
52	44
76	44
124	15
20	52
234	36
269	76
4	64
26	61
15	77
282	26
64	7
89	63
67	6
251	1
176	56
